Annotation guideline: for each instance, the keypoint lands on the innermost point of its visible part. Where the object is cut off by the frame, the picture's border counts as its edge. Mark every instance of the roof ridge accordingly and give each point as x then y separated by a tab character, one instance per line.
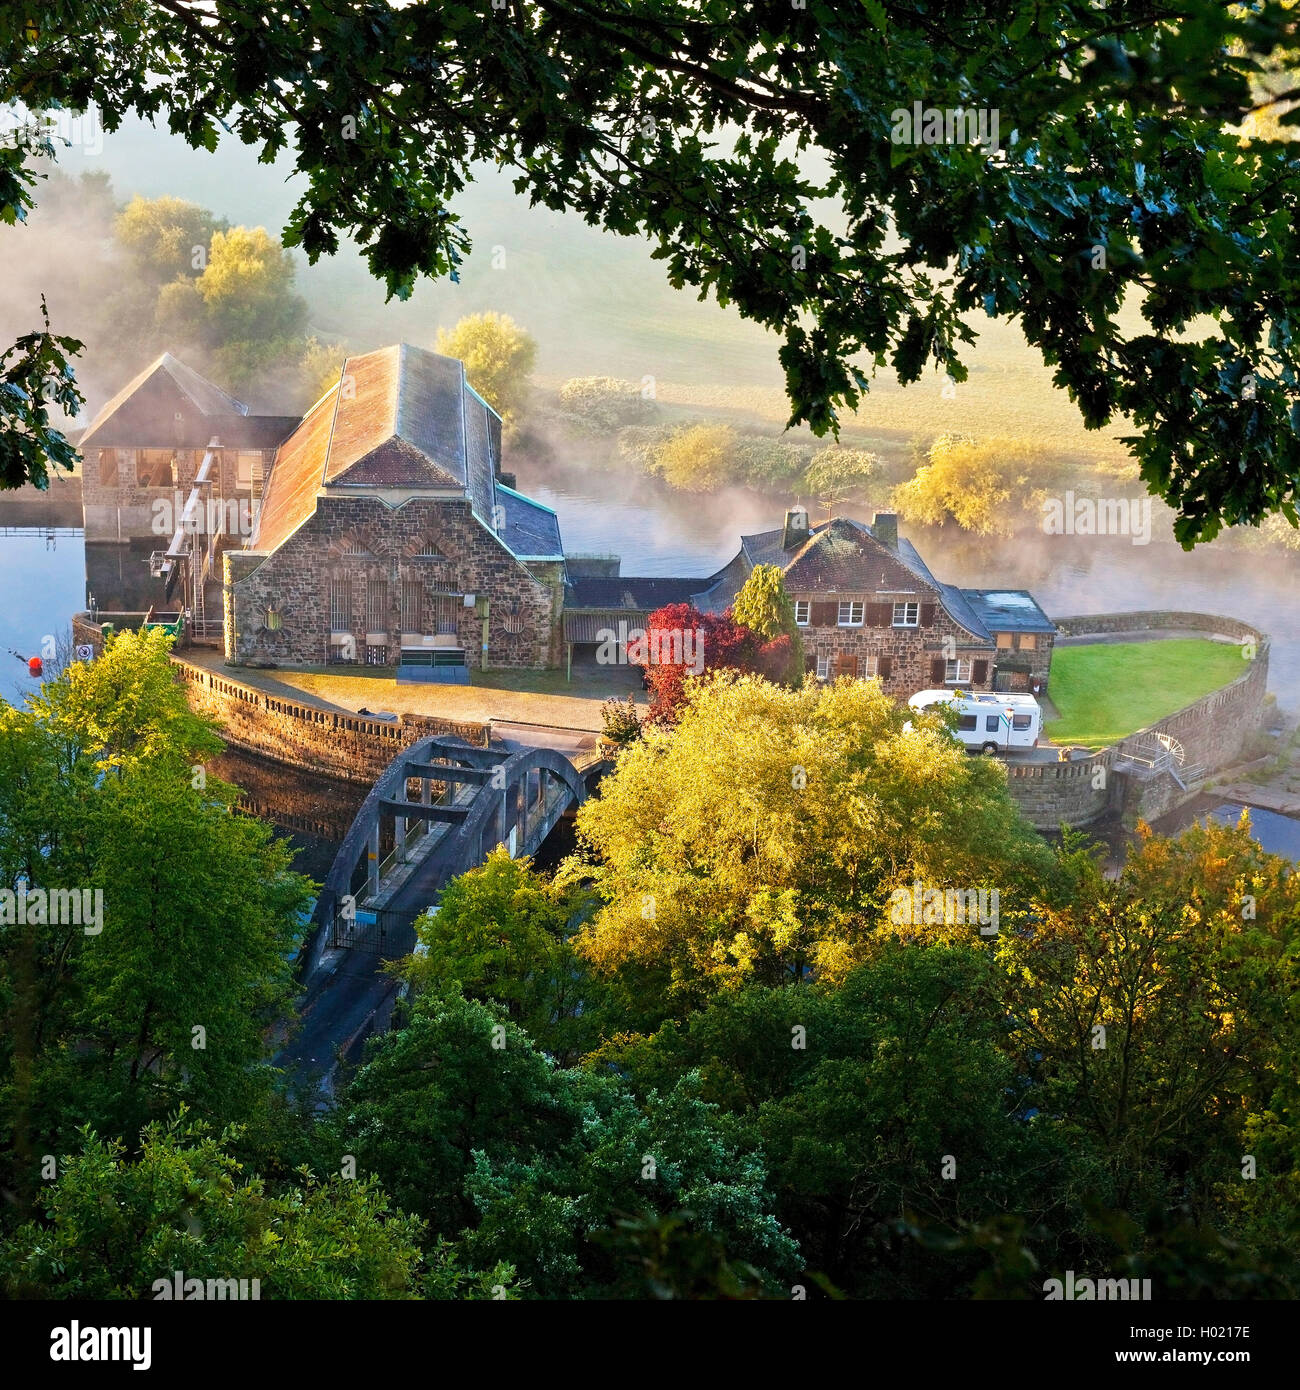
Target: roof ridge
334	419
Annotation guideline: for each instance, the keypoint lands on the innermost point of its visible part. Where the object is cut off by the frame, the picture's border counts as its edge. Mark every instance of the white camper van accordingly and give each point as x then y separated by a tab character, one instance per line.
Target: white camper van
990	723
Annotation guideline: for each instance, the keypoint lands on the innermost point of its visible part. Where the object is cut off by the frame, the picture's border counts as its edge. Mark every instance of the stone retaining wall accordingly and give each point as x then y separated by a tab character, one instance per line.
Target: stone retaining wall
1213	730
348	746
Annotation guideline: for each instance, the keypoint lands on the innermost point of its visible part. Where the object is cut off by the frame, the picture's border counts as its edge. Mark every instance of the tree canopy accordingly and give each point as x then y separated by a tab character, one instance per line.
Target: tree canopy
1108	202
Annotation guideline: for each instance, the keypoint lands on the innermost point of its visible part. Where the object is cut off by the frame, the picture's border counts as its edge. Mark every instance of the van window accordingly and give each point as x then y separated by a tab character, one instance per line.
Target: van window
1021	721
967	723
991	722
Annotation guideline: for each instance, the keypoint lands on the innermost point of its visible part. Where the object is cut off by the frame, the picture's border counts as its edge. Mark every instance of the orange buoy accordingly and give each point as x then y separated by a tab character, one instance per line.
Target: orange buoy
34	666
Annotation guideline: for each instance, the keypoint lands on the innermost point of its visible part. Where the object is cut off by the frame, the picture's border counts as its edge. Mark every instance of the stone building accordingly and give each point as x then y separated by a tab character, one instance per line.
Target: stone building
389	536
865	602
142	451
867	605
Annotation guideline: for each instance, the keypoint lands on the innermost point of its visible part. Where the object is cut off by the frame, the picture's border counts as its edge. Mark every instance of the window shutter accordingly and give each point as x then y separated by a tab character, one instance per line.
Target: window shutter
886	667
927	615
979	672
825	614
938	670
810	661
880	614
846	664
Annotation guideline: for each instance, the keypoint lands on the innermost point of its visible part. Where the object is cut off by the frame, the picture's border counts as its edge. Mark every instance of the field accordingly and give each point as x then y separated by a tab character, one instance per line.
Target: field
1109	690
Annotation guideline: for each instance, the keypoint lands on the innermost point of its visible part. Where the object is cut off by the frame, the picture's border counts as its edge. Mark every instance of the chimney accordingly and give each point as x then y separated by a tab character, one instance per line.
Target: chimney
795	531
884	526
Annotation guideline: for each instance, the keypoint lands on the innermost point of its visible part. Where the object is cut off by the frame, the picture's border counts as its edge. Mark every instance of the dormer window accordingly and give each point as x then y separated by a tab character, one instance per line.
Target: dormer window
907	614
851	612
802	612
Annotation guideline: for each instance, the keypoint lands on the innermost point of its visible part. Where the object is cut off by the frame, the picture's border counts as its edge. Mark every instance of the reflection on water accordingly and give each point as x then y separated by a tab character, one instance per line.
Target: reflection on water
312	812
1278	834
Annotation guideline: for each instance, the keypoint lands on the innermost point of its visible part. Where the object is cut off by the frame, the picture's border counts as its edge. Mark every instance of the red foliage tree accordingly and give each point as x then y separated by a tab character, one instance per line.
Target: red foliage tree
680	643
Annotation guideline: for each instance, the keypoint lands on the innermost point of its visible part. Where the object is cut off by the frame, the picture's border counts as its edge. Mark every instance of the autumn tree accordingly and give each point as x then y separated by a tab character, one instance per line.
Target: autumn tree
699	458
167	238
761	836
988	486
1152	1012
681	643
498	355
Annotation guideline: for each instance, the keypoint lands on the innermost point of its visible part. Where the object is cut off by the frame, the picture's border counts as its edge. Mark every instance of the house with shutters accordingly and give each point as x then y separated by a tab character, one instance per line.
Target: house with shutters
867	605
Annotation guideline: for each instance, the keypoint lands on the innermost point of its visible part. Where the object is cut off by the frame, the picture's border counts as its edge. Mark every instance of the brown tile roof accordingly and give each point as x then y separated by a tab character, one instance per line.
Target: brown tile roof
295	478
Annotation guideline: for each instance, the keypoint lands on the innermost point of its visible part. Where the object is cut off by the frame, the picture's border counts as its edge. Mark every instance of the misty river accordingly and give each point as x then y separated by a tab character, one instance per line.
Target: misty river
658	531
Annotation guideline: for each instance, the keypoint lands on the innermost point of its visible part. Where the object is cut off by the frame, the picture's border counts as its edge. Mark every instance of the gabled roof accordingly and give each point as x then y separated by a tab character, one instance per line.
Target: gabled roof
401	417
169	405
839	556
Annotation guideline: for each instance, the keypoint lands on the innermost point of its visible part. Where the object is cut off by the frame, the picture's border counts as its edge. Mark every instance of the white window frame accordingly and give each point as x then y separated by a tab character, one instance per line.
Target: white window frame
803	605
868	666
823	666
962	676
851	621
907	605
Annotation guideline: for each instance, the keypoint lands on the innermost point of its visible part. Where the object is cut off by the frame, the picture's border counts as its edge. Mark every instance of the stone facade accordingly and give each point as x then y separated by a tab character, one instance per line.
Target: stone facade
117	506
278	606
905	658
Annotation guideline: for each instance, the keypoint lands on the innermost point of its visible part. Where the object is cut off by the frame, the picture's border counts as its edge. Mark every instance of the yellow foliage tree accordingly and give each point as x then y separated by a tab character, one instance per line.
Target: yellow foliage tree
764	834
700	458
985	486
498	355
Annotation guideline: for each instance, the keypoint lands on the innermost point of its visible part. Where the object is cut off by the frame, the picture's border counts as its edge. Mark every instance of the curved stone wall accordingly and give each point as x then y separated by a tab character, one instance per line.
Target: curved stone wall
1213	730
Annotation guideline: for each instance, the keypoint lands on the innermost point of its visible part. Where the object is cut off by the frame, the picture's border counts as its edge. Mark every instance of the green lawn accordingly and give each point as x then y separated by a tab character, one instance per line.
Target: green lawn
1107	691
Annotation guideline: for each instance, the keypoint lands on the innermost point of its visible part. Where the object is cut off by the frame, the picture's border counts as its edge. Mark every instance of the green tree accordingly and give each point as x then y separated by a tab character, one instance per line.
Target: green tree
1156	1007
836	475
161	989
114	1225
501	933
764	833
167	238
247	288
526	1164
606	402
498	356
764	607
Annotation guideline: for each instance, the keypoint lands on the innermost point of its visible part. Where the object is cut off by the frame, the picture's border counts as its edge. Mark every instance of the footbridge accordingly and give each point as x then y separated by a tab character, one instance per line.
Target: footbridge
439	808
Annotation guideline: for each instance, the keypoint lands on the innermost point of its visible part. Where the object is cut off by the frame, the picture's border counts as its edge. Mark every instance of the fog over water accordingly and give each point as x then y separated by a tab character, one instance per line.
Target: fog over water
657	531
596	304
